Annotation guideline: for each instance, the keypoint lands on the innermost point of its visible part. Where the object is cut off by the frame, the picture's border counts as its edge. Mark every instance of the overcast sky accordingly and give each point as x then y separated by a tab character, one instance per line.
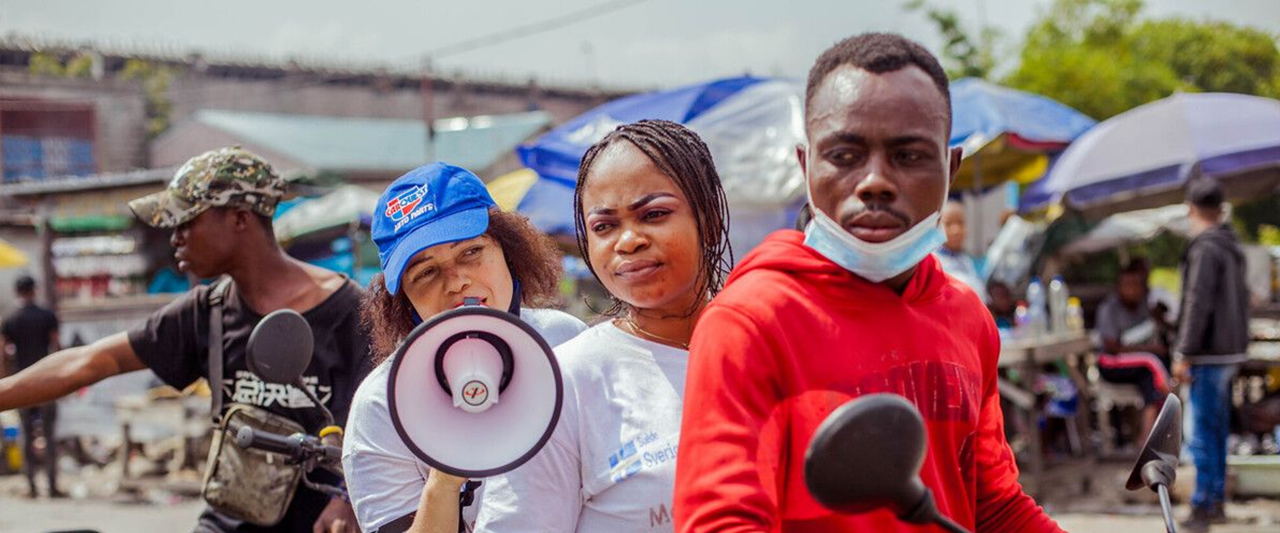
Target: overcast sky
652	43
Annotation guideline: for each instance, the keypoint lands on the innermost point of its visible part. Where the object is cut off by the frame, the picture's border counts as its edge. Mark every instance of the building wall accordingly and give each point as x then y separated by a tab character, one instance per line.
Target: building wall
311	96
188	139
119	113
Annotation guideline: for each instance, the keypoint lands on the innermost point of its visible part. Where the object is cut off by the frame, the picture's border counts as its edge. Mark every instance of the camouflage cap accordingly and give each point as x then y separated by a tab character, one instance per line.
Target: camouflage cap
223	177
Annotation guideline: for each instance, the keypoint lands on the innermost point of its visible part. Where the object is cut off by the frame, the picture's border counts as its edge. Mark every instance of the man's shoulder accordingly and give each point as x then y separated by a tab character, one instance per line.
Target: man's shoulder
1109	303
759	286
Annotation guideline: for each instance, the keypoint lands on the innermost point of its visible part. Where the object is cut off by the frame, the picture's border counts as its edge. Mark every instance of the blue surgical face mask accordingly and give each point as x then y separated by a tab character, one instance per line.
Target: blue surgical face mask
876	261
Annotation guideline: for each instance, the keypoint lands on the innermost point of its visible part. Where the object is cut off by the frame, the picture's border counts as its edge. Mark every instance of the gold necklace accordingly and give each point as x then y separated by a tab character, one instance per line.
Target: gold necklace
635	328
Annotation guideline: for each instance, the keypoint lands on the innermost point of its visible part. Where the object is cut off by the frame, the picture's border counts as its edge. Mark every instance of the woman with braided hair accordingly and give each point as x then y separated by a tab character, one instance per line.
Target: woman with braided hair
653	224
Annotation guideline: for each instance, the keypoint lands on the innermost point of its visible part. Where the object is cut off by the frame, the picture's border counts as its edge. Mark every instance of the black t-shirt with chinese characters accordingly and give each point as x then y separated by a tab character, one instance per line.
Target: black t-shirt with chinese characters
174	343
30	330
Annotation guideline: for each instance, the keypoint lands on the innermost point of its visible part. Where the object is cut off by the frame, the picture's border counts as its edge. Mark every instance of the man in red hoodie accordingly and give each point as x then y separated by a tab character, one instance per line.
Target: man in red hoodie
854	305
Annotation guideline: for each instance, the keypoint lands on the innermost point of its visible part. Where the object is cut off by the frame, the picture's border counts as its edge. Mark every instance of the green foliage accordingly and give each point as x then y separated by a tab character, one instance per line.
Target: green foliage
1165	250
155	83
80	66
1249	218
46	64
1096	56
962	55
51	64
1268	235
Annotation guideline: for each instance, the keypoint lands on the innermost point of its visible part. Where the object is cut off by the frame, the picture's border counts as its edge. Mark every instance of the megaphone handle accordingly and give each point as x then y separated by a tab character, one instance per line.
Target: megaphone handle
468	494
466	498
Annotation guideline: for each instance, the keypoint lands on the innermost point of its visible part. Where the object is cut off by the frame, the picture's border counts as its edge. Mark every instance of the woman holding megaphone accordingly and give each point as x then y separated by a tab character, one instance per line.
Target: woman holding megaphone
652	222
442	242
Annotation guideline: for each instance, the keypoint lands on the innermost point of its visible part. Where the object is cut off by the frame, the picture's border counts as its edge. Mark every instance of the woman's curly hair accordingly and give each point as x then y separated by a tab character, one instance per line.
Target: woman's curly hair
532	256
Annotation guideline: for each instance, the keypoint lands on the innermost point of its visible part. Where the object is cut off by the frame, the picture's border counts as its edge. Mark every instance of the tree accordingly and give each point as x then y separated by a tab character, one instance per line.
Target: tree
963	55
1096	56
155	83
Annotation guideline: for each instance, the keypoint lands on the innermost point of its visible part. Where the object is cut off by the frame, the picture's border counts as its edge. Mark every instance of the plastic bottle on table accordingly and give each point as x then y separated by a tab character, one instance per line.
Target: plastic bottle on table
1075	315
1058	305
1021	320
1036	309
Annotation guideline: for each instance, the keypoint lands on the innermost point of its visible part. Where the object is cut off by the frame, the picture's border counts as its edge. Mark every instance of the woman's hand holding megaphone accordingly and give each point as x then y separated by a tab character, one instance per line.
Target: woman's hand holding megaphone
439	500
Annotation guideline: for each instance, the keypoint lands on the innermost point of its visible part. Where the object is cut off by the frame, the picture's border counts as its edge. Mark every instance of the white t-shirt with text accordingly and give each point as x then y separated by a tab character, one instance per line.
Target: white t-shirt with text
385	479
610	465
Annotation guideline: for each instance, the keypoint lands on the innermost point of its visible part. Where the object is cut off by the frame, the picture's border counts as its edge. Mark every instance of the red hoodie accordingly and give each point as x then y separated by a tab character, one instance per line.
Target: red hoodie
792	337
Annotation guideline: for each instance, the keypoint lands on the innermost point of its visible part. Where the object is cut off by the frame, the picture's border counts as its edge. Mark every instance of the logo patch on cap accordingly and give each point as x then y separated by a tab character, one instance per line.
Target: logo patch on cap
405	207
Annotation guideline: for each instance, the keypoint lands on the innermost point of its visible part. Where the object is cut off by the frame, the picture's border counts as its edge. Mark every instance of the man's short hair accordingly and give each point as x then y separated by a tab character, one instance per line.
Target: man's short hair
25	285
1205	193
878	53
1137	266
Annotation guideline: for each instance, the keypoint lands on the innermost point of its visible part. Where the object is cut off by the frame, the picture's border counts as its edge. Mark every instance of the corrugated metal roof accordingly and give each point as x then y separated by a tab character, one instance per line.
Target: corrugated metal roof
82	183
394	145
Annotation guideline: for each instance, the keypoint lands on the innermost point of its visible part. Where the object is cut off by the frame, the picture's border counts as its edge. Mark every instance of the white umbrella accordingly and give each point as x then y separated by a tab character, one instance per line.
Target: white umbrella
342	207
1124	229
1144	157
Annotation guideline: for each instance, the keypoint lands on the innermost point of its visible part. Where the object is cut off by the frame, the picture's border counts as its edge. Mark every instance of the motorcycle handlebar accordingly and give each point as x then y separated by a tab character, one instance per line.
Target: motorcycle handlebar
296	447
291	447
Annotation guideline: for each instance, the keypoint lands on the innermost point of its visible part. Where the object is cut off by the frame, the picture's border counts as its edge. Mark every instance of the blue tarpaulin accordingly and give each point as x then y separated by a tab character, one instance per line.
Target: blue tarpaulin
556	154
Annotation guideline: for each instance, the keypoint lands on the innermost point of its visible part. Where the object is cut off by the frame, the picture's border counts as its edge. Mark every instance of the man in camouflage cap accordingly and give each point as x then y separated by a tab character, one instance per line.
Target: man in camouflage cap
231	177
219	208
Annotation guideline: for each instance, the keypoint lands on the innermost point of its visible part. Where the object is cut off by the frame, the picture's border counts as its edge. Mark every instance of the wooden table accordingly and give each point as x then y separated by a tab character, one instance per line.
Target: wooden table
1027	355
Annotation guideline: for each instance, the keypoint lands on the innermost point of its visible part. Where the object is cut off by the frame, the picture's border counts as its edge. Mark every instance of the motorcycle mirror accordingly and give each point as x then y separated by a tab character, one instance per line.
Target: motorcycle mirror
1158	462
280	347
867	455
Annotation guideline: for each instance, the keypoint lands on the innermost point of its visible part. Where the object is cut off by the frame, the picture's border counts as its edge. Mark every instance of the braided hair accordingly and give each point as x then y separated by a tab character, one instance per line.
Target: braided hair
680	154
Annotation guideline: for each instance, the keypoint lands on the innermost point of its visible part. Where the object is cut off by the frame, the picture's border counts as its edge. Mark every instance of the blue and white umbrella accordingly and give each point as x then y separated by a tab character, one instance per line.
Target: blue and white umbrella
1007	134
751	125
1144	157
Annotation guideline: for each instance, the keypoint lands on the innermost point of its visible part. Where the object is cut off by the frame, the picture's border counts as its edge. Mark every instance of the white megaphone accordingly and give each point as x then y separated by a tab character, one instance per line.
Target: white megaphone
475	392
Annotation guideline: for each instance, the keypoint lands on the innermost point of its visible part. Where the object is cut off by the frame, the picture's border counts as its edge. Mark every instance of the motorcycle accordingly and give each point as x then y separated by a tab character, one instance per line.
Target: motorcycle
889	428
279	351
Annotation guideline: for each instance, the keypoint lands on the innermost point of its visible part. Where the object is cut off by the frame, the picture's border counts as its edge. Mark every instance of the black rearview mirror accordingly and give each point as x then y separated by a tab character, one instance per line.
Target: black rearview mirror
1157	465
867	455
280	347
1160	454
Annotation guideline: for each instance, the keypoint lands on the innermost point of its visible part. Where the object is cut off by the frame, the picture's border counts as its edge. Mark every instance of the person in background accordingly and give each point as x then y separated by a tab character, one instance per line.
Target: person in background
1213	337
1002	304
1133	349
855	305
954	260
30	333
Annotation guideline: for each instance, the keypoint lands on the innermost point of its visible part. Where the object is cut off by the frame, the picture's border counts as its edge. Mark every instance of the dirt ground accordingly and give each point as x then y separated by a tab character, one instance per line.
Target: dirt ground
99	501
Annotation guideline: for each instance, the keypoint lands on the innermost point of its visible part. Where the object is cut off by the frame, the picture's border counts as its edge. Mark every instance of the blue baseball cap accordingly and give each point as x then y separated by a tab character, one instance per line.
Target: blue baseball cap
430	205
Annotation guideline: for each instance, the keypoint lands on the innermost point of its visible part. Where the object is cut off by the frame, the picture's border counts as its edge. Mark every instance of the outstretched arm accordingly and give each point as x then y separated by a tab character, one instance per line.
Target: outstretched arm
67	371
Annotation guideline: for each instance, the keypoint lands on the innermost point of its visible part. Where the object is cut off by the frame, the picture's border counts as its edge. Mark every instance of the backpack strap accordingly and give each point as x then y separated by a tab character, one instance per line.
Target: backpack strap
217	296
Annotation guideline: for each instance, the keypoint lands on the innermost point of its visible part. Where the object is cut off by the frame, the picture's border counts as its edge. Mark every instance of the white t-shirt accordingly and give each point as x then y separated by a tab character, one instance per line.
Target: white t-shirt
610	466
385	479
961	266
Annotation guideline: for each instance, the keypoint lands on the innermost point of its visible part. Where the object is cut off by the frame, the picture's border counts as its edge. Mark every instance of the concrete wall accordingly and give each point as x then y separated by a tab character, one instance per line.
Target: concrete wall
188	139
119	109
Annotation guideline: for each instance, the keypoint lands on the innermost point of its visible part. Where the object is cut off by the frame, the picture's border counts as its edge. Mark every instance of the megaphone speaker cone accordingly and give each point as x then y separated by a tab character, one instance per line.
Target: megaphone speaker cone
464	406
